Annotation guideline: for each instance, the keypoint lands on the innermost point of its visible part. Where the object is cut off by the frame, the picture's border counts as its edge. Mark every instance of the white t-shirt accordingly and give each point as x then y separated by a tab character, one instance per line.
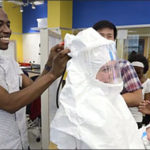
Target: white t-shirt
146	87
138	116
13	130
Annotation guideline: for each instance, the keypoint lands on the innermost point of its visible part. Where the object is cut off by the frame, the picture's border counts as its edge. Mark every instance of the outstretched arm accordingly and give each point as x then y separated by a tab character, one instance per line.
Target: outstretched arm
53	52
14	101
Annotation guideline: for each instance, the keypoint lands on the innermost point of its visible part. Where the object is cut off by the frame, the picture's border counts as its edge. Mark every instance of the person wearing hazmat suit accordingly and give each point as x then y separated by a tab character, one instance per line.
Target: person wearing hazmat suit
92	113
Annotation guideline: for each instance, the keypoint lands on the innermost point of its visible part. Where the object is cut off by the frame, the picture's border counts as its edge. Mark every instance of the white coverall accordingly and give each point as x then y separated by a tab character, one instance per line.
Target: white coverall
92	114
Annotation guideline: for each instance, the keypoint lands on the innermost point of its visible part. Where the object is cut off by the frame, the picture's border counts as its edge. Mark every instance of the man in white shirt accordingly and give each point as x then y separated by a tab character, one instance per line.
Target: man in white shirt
12	100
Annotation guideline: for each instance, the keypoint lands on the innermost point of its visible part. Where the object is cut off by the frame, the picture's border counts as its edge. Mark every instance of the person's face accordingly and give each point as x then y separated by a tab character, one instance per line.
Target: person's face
107	33
107	72
5	31
139	71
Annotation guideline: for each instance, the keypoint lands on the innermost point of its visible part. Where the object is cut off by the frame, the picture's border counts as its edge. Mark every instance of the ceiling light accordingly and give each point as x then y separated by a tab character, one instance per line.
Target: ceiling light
39	2
33	6
21	9
1	3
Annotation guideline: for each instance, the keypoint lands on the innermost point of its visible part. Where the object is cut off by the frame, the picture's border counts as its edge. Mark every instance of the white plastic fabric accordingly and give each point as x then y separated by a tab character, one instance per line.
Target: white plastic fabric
138	116
92	114
144	136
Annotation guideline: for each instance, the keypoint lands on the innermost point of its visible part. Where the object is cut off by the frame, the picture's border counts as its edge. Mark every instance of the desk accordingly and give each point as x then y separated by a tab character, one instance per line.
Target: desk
31	71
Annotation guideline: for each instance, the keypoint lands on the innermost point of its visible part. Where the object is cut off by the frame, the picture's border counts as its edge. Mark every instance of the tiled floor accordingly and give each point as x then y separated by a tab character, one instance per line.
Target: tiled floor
34	133
52	146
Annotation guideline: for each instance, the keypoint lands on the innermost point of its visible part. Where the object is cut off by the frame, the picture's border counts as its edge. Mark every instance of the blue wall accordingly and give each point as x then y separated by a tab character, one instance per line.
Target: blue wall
120	12
30	15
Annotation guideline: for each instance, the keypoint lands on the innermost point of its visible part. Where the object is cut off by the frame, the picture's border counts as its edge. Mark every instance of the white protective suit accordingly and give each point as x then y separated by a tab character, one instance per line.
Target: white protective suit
92	114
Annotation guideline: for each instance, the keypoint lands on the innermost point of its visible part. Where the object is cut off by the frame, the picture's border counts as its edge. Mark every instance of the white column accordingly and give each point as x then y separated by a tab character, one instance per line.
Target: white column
44	98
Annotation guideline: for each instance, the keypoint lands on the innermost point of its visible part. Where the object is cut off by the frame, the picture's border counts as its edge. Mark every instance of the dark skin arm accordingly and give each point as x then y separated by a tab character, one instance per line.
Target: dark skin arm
14	101
133	99
26	81
147	96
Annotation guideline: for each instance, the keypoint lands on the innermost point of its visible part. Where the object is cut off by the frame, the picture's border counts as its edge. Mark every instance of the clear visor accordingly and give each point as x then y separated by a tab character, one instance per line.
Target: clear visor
109	73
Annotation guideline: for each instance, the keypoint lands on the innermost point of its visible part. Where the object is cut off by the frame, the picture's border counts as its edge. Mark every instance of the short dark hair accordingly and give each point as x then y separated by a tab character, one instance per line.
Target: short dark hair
139	57
105	24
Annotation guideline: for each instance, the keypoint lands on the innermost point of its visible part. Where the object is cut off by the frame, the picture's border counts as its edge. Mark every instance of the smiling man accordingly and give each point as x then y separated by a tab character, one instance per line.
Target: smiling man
13	133
5	31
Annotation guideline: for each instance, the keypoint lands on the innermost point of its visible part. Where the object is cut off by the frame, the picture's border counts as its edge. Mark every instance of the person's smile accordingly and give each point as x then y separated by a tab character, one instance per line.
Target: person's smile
4	40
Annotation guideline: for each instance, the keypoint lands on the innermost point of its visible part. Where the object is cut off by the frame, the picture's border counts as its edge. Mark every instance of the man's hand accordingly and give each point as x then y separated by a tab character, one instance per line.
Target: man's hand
144	107
59	63
53	52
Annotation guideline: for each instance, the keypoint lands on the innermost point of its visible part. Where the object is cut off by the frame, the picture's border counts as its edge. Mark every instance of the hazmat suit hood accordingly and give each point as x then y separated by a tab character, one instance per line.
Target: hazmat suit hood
92	113
90	52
